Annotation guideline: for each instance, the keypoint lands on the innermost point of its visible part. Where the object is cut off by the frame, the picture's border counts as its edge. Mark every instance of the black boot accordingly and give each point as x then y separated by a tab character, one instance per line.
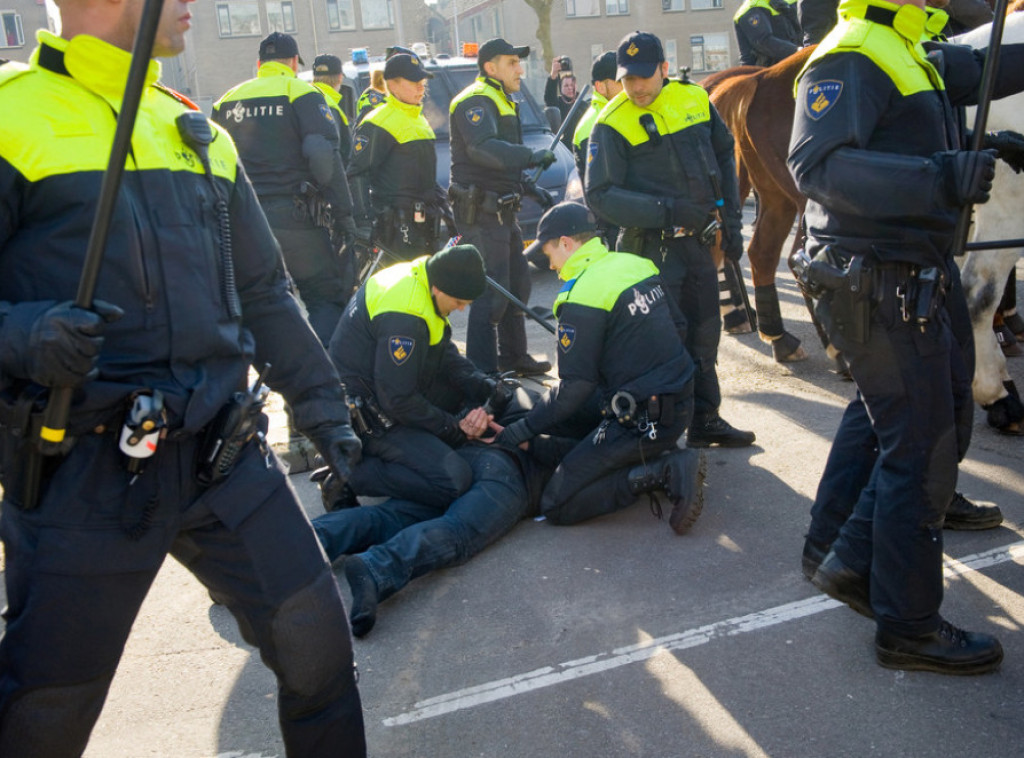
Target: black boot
839	581
814	553
961	513
364	596
680	474
717	431
948	650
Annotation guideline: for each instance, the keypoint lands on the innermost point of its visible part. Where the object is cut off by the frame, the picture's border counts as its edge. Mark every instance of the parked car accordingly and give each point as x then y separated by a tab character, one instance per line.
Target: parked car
451	76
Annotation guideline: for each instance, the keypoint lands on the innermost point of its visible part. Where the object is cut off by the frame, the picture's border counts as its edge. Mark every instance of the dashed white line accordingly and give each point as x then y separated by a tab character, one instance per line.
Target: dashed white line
550	676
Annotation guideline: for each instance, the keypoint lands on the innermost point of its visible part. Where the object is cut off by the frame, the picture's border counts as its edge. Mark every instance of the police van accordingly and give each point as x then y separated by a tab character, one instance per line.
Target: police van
451	76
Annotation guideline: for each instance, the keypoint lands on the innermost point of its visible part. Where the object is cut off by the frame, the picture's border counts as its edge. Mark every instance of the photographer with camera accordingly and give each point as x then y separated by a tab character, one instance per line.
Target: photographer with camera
560	92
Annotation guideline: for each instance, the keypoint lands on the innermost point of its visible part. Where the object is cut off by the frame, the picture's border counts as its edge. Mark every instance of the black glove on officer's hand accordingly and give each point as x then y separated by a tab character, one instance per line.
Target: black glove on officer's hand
514	434
538	193
732	243
502	388
334	495
542	158
966	175
54	344
1009	145
339	446
682	212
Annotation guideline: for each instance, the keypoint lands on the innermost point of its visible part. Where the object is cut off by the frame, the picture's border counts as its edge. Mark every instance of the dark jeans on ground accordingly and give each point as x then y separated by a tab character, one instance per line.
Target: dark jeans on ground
593	479
495	326
325	280
412	464
401	540
906	377
76	578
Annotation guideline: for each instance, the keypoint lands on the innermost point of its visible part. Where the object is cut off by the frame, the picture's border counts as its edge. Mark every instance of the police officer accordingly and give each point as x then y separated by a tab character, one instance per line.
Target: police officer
873	148
194	308
372	96
660	159
766	31
394	169
327	76
488	158
288	140
617	337
605	87
394	353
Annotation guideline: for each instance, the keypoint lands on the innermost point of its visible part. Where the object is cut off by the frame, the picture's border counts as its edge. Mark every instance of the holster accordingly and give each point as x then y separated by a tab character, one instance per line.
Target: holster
851	301
465	202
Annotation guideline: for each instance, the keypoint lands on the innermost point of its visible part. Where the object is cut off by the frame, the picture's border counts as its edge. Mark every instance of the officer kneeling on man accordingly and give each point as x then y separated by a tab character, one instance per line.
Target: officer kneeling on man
617	335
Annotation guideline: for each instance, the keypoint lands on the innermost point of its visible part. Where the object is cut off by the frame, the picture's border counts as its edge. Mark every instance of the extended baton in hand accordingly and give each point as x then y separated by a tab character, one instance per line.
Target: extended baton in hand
561	130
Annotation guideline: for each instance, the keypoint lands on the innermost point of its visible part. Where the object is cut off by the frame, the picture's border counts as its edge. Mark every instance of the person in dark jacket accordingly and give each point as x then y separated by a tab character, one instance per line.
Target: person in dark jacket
394	169
327	77
616	337
287	137
192	291
766	31
488	159
560	92
395	356
875	149
661	167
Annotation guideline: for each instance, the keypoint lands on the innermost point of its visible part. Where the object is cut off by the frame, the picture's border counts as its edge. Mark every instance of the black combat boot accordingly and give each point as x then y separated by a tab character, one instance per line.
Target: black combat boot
948	650
680	474
961	513
717	431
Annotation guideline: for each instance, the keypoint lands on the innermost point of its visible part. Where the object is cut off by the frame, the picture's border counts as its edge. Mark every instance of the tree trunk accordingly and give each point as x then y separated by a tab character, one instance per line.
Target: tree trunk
543	10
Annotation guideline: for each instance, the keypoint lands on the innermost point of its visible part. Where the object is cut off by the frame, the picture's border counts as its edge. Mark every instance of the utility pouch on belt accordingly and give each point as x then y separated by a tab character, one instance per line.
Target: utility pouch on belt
21	419
357	415
921	296
465	202
377	421
235	425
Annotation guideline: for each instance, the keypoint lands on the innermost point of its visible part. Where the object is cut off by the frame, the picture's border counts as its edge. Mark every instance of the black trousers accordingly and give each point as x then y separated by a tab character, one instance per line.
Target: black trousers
80	565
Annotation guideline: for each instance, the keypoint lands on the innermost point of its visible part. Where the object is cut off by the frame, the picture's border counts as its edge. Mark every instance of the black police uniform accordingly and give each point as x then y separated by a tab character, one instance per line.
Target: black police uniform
394	352
766	31
650	172
80	563
287	138
393	176
874	148
817	17
488	158
368	100
616	334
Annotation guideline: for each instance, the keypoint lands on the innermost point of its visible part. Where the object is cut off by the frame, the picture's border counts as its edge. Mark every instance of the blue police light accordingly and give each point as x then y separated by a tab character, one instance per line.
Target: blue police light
359	55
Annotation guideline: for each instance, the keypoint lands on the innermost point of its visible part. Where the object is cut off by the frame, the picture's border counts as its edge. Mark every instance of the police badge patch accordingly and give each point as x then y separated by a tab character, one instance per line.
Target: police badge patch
821	97
475	115
326	110
400	349
591	151
566	337
361	142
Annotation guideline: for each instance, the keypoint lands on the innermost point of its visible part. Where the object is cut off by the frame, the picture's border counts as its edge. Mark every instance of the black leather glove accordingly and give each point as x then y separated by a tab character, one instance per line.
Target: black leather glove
542	158
513	434
340	448
684	213
966	175
1009	145
54	344
732	243
334	495
538	193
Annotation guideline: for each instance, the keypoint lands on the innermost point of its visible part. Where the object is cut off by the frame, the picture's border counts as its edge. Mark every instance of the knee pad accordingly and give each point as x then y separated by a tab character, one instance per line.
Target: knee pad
310	635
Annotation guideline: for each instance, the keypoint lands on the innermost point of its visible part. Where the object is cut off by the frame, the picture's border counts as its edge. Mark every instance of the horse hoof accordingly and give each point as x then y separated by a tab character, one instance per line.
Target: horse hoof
1005	415
785	348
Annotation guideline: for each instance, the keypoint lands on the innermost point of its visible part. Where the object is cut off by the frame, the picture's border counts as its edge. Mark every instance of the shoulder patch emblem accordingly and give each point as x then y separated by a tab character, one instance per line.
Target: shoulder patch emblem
475	115
591	151
361	142
566	337
326	110
401	348
753	20
821	97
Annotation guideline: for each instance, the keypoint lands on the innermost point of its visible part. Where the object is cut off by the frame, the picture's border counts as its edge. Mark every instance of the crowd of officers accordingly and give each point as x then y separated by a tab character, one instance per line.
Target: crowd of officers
372	375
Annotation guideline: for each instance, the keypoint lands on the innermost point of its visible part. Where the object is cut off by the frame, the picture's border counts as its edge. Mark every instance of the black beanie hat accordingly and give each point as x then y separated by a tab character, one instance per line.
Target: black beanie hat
458	272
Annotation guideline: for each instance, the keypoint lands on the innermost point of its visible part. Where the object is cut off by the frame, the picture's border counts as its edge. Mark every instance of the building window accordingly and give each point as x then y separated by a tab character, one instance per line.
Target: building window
673	5
710	52
672	56
340	15
616	7
581	8
705	5
238	19
377	15
10	26
281	16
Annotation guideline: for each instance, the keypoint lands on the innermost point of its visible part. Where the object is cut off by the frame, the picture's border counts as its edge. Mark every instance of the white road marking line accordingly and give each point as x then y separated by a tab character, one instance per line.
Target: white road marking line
550	676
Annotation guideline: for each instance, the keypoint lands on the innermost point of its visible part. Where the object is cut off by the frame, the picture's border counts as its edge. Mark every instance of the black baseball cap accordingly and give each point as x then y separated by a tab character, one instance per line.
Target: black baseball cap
327	64
566	219
639	54
278	46
406	66
604	67
492	48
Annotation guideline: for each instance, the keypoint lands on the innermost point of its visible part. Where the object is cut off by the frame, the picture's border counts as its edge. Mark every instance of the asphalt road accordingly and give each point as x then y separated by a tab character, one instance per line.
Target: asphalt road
618	638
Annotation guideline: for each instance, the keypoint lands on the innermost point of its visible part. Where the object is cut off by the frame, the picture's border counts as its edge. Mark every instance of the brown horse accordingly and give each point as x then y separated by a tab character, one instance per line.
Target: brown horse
757	105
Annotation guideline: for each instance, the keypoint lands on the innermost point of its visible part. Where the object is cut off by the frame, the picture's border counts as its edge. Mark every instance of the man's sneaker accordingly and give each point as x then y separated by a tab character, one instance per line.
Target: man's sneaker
524	366
948	650
364	596
814	553
685	488
964	515
717	431
839	581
